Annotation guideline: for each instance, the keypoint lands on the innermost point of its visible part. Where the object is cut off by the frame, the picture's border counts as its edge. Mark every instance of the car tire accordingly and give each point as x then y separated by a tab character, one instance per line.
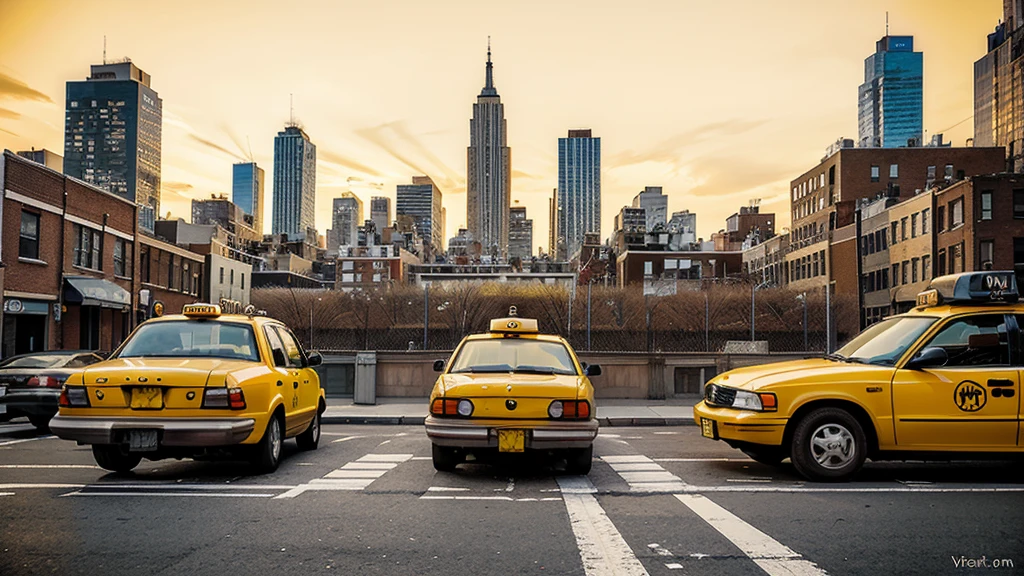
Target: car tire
42	423
111	457
767	455
579	461
268	451
829	445
310	439
445	458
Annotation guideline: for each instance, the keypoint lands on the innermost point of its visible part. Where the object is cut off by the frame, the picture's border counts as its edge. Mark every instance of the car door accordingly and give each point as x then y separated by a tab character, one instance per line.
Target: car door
287	376
298	369
970	403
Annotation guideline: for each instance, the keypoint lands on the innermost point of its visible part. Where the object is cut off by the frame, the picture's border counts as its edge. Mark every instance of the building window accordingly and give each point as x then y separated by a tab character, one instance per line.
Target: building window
896	274
905	275
144	264
88	247
931	176
186	284
925	214
221	274
242	280
956	213
940	218
28	247
986	205
874	173
926	267
914	263
987	253
1018	251
913	225
232	275
895	238
122	257
1018	203
894	171
940	262
170	271
949	172
903	228
956	259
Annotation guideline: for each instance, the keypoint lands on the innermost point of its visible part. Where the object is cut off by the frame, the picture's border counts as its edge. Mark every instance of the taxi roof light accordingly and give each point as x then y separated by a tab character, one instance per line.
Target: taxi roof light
201	310
971	287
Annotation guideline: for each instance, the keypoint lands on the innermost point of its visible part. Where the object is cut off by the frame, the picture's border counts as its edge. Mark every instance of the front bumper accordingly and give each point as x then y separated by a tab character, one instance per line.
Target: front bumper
31	401
192	432
742	426
540	435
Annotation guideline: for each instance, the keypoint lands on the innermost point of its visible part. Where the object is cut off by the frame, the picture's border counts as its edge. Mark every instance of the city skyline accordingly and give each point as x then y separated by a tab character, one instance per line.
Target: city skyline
376	141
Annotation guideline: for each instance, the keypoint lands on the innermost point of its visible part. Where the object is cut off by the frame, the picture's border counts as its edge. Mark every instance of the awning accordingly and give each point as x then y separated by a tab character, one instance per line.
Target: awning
88	291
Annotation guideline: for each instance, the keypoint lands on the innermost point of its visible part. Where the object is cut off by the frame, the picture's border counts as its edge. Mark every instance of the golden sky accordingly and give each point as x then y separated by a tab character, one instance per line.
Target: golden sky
718	102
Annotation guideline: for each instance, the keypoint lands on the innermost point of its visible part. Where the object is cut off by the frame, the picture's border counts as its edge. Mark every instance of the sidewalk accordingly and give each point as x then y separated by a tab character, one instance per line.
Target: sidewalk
412	411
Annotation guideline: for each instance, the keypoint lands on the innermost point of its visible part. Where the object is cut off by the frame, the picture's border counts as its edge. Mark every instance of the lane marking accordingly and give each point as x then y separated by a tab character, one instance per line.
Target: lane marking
421	458
755	480
674	566
346	439
49	466
355	475
667	433
446	489
12	442
6	493
40	486
643	474
489	498
702	459
770	555
659	549
603	551
171	494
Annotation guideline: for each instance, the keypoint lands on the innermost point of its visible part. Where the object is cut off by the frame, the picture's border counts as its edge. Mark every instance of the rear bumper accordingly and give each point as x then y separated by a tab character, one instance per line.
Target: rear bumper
198	432
31	402
539	436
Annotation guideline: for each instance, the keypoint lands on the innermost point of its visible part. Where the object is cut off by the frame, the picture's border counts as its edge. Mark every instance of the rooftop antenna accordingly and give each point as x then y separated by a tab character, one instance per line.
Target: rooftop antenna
886	22
291	113
104	48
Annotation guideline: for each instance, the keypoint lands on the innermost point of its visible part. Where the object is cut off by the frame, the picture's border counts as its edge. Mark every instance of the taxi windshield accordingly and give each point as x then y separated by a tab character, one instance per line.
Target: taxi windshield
192	338
883	343
508	355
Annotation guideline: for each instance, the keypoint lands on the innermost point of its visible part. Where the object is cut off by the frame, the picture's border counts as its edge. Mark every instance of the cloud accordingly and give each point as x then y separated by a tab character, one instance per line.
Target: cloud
9	114
179	189
9	132
728	175
244	150
217	147
670	149
18	90
392	137
337	159
527	176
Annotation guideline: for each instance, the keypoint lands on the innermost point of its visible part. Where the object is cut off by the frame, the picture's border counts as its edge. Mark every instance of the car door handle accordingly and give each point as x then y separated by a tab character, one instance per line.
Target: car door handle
1000	382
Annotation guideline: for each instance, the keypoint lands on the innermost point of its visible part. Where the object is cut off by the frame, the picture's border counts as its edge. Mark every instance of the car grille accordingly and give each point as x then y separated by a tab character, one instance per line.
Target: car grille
718	396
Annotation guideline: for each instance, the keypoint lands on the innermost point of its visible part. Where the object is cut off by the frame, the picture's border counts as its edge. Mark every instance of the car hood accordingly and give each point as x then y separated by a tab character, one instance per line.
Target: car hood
191	372
513	385
808	371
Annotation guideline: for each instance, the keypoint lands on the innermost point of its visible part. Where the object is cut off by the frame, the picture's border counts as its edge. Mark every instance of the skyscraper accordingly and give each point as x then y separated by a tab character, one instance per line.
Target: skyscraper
553	225
489	172
520	233
247	191
999	90
421	201
112	131
890	101
380	212
655	203
294	183
579	189
346	218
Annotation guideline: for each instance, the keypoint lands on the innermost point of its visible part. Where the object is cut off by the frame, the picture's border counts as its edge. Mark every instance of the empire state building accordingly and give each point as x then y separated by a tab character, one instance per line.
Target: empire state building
489	171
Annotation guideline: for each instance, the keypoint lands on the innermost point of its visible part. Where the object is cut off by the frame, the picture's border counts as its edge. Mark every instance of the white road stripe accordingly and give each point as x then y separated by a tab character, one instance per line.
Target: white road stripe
12	442
446	489
771	556
346	439
397	458
178	494
353	476
602	549
489	498
702	460
6	493
643	474
48	466
659	549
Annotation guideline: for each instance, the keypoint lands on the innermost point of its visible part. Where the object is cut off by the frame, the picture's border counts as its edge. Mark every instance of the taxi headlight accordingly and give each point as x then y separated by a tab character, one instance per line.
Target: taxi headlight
465	408
747	401
555	410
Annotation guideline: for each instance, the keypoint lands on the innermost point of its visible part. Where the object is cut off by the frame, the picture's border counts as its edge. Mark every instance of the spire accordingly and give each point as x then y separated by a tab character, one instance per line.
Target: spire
489	85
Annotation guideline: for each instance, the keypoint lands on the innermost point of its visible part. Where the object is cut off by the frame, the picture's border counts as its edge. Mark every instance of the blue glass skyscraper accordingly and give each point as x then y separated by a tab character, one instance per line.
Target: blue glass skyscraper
294	183
247	191
890	104
579	190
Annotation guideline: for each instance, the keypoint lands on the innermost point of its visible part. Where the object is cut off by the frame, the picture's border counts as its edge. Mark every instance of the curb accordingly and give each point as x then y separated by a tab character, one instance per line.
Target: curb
419	420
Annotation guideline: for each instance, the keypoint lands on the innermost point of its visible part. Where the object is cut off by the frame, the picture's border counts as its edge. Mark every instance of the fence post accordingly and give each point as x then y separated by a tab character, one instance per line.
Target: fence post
804	299
828	318
753	290
707	323
588	315
426	313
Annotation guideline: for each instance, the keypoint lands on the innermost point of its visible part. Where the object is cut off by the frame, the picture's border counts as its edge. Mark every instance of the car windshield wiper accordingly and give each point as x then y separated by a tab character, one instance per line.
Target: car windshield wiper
837	358
488	369
534	370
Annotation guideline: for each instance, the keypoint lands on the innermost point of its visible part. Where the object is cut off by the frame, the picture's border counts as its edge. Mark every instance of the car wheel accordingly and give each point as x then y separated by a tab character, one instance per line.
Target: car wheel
767	456
42	423
829	445
310	439
268	451
578	461
111	457
445	458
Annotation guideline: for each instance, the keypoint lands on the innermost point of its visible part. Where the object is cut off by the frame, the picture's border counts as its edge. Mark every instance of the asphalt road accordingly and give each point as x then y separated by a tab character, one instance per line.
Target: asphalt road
658	501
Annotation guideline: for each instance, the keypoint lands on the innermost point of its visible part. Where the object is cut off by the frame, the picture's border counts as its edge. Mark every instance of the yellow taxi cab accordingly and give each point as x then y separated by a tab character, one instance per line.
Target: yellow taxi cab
942	381
197	384
511	390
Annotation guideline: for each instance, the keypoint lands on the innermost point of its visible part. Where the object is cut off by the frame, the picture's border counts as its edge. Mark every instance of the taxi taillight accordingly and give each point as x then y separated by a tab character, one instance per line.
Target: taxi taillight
451	407
73	397
232	398
571	410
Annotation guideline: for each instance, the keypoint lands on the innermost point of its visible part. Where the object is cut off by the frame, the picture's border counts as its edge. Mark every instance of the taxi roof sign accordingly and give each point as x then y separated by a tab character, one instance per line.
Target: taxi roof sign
201	310
977	287
514	325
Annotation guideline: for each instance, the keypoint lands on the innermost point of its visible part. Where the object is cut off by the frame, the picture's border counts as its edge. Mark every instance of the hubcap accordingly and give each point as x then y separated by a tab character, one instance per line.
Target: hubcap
275	438
833	446
316	428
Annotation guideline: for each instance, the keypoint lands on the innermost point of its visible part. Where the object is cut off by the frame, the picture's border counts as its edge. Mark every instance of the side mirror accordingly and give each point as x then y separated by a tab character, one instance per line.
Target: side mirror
279	359
931	357
314	358
593	370
438	365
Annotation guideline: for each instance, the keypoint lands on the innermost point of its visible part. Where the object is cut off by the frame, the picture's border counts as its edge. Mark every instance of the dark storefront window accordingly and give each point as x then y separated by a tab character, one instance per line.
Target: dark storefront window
122	258
88	247
1018	251
28	247
144	264
1018	203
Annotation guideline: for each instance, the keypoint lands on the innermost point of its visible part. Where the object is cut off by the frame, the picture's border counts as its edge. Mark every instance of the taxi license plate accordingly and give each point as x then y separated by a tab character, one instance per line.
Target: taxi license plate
3	407
142	440
511	440
708	428
149	398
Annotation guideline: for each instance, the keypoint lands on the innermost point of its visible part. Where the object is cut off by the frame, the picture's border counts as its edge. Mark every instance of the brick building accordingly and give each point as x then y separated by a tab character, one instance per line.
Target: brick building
69	253
874	259
980	221
172	275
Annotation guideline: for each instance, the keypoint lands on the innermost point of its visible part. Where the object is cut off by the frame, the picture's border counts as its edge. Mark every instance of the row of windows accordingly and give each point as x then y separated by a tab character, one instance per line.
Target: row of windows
232	277
894	173
810	266
910	226
88	247
913	270
955	212
872	242
876	280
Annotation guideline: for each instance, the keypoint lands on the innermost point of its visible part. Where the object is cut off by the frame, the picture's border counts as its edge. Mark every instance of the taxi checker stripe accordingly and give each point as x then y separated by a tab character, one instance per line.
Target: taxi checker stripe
771	556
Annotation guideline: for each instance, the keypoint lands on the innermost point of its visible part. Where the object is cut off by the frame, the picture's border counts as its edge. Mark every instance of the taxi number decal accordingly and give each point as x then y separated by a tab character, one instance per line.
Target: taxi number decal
970	396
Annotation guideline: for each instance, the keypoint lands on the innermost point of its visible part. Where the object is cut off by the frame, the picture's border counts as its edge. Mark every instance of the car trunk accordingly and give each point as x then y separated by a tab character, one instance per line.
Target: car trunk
511	396
154	383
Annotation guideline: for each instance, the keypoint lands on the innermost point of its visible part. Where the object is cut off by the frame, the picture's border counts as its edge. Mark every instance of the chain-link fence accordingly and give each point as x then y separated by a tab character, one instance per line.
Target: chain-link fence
594	318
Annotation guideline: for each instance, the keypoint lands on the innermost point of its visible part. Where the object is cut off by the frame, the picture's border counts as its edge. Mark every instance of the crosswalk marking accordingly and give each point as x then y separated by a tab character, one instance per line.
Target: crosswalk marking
770	555
356	475
643	474
603	551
